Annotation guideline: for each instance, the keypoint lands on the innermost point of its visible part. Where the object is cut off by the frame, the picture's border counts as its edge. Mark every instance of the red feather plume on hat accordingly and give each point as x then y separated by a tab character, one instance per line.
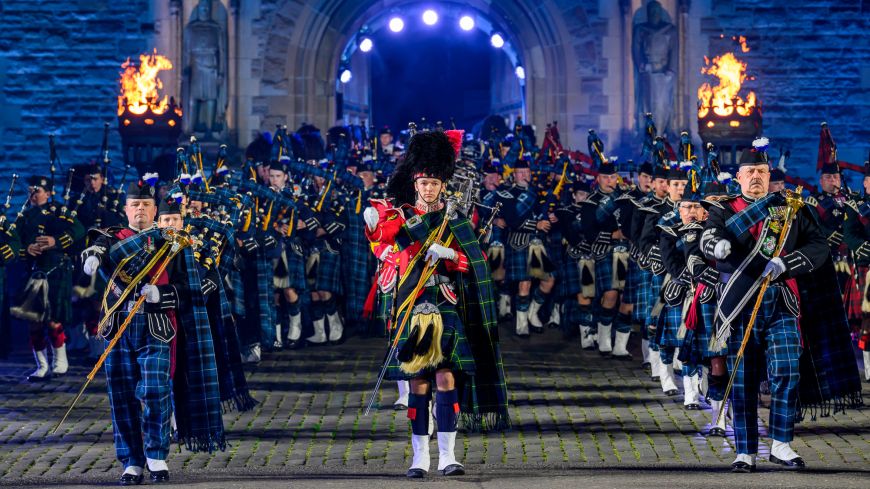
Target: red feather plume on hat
455	136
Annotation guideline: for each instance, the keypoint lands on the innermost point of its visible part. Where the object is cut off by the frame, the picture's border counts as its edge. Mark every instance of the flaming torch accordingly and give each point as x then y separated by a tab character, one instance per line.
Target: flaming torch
149	125
726	116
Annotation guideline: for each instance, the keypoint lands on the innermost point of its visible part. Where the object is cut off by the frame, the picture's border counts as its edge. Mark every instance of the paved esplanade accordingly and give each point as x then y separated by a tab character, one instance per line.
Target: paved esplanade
576	422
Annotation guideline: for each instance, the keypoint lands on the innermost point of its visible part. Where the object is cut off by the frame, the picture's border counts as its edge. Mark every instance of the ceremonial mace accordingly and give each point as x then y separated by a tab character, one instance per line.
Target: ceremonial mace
428	270
177	242
793	204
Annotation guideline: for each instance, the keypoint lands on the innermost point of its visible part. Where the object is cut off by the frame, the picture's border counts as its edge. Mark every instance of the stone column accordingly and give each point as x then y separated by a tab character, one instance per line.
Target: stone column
175	31
682	106
233	79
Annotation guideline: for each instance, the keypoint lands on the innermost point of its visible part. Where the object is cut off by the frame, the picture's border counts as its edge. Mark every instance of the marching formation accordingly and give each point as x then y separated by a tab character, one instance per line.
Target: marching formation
733	283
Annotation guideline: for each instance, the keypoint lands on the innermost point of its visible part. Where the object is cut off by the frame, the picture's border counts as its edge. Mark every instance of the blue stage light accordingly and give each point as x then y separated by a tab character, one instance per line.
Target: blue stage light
497	41
366	45
345	76
466	22
430	17
397	24
521	72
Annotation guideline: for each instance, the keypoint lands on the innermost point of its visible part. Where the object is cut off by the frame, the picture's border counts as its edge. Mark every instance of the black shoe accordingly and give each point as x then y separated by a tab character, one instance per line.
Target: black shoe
796	463
742	468
536	330
44	378
553	325
655	378
131	480
453	469
400	407
693	407
416	473
293	345
717	431
625	357
672	392
160	476
645	365
605	353
524	336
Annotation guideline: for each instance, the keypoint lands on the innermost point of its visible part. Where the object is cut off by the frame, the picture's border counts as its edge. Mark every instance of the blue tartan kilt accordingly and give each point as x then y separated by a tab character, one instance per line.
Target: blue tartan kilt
516	264
704	331
454	343
554	253
569	278
631	292
648	290
295	269
669	325
327	277
604	274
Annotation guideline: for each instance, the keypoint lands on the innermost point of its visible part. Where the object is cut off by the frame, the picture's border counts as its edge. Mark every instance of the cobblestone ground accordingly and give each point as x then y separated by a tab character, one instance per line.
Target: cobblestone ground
572	411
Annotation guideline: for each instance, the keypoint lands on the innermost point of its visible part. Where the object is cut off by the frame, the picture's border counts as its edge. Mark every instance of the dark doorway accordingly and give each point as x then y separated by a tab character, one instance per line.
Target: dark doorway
434	72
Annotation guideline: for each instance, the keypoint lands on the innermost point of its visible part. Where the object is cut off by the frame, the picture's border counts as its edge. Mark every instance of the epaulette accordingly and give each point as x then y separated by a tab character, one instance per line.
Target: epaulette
811	201
852	204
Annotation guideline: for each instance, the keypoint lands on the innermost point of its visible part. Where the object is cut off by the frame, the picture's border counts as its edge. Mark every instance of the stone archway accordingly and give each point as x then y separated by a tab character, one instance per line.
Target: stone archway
300	43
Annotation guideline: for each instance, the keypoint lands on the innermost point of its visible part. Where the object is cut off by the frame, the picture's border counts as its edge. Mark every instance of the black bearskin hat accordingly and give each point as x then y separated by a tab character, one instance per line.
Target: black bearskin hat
430	154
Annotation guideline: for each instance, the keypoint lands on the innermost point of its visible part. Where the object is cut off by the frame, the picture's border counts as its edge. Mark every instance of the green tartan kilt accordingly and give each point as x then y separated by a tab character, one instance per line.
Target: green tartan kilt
60	293
454	344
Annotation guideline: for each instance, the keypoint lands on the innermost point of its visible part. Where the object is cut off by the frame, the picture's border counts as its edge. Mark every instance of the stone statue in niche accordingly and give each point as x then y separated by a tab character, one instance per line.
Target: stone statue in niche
655	54
205	71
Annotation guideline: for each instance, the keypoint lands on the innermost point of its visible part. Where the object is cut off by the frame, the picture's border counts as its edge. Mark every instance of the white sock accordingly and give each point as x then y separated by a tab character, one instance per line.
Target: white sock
745	458
782	450
156	465
133	470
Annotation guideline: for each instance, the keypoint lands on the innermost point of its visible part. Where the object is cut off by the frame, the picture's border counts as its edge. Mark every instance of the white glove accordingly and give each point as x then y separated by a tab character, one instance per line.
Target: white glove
370	215
774	268
438	252
152	295
722	249
90	265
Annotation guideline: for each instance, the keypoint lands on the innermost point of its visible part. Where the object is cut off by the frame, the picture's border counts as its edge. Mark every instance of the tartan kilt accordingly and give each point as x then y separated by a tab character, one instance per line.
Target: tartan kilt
454	344
695	346
60	293
669	325
853	295
516	264
357	270
569	278
327	277
554	253
648	289
631	293
604	274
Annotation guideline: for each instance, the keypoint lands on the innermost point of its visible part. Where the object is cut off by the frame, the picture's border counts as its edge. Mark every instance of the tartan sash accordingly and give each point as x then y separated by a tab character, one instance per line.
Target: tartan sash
757	211
740	288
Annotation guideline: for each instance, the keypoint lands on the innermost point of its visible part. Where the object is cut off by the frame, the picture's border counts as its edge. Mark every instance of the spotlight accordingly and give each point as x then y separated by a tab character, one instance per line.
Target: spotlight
497	41
521	72
397	24
345	76
466	22
430	17
366	44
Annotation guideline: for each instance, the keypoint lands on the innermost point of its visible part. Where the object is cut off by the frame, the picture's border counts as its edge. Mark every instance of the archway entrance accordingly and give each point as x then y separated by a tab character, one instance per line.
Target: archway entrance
435	76
449	63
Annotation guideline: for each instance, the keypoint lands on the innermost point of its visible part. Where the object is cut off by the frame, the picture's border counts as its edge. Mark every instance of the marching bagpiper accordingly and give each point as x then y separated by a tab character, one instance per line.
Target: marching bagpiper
763	245
446	333
145	266
46	233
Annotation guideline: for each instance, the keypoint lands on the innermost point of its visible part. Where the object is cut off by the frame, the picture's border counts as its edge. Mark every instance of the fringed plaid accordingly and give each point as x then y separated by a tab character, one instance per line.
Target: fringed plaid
196	387
829	379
